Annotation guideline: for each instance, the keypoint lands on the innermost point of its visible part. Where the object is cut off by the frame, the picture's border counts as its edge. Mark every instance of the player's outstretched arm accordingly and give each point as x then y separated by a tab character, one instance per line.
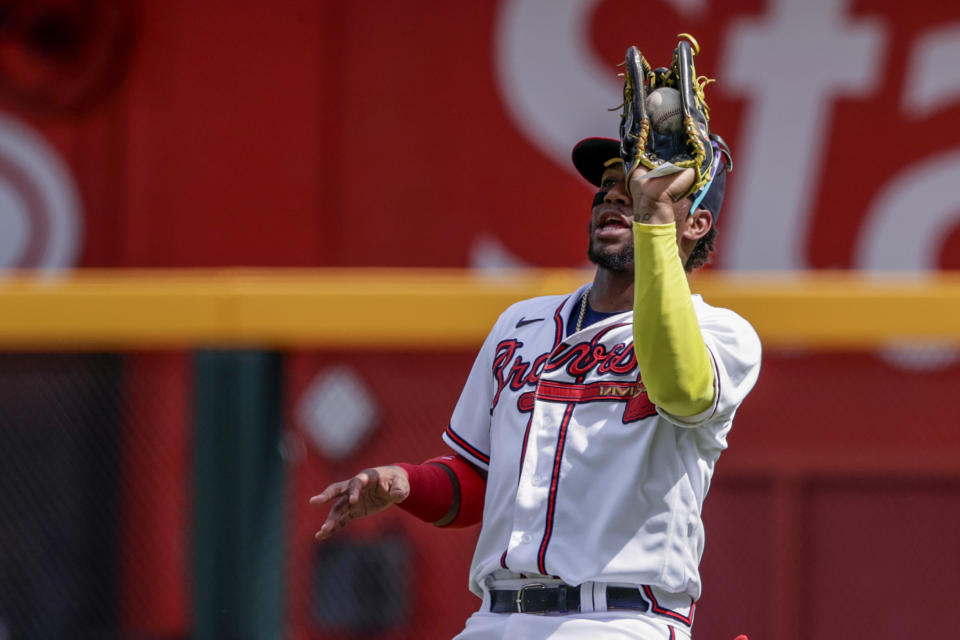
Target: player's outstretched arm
369	492
673	359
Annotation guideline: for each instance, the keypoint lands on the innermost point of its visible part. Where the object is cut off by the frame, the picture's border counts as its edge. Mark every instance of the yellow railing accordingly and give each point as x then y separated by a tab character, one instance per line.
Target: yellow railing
411	308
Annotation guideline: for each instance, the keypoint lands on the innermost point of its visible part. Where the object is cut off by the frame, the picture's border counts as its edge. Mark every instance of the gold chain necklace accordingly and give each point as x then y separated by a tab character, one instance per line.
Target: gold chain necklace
583	309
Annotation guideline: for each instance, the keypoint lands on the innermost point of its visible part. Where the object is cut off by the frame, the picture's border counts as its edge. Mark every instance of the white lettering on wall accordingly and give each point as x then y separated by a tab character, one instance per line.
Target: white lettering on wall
933	83
39	206
551	81
907	219
789	65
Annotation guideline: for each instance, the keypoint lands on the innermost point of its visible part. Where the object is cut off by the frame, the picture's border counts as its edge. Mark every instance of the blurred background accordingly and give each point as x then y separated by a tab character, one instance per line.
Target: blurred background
250	248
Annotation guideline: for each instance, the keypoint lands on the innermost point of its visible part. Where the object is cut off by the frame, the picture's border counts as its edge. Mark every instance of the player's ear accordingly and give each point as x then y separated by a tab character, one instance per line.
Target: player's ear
697	224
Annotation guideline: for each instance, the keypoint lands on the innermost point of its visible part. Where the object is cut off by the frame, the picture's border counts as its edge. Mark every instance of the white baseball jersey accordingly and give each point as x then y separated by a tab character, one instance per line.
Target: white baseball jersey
587	479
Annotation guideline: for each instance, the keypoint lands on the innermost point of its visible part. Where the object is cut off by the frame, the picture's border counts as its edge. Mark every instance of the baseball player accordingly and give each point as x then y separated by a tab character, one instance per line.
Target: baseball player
587	432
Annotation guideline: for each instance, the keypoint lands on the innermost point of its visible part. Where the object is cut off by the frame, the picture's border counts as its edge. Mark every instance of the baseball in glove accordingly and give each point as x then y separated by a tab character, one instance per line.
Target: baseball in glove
680	137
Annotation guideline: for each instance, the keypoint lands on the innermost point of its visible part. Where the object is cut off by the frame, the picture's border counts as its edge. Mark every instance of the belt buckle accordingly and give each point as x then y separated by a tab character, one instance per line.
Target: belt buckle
519	599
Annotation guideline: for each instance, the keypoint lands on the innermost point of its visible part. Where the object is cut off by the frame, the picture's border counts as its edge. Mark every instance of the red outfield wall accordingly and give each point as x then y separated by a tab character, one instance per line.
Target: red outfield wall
303	133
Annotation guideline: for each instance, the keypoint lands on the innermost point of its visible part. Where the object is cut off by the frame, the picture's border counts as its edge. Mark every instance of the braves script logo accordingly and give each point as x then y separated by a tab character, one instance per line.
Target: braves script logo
510	370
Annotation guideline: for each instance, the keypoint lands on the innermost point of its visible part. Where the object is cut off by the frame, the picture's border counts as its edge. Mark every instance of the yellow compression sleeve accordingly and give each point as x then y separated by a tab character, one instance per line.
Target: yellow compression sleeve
674	363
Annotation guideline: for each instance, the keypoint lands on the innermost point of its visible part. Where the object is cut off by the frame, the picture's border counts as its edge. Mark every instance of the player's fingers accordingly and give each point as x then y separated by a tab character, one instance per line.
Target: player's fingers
334	490
680	184
342	514
394	489
326	530
336	519
357	483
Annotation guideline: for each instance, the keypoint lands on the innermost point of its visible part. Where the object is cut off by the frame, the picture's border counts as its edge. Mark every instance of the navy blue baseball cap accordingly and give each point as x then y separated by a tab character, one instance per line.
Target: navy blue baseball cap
591	157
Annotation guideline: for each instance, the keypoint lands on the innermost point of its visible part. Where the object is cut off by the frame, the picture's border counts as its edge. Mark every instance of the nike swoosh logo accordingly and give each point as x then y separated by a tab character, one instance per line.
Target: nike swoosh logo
523	321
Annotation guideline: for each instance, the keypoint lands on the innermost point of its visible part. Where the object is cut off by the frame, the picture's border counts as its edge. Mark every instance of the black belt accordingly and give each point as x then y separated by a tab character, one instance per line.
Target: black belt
539	598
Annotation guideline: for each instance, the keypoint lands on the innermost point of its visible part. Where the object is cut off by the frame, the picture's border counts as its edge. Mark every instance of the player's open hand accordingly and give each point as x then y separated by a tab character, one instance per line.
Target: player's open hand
368	492
654	198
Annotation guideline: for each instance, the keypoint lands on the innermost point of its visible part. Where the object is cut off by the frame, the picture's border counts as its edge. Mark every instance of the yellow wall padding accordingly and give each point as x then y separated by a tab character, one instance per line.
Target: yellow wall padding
423	308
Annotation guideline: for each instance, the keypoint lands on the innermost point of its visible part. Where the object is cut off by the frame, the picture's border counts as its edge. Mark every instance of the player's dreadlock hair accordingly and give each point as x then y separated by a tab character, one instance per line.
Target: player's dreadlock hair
702	251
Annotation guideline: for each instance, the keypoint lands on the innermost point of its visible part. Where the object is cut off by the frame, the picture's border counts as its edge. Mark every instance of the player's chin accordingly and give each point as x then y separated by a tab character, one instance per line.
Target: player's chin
616	258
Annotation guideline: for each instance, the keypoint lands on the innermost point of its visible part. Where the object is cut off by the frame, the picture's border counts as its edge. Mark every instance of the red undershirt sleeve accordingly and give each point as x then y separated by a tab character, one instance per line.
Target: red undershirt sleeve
446	491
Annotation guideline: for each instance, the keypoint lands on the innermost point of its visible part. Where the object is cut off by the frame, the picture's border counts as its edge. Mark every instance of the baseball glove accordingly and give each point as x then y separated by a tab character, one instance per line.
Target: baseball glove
693	147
